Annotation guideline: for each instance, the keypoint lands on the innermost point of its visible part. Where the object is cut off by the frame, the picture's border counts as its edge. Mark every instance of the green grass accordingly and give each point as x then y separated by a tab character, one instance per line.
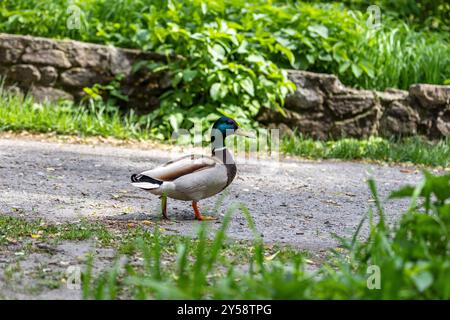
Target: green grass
412	258
99	119
413	149
122	237
17	230
95	118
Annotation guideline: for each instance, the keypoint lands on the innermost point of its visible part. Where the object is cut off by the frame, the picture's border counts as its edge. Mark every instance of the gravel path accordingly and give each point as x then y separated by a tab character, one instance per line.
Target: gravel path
295	202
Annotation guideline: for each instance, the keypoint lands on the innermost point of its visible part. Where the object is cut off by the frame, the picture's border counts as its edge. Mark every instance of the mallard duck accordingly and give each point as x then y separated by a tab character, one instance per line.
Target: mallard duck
194	177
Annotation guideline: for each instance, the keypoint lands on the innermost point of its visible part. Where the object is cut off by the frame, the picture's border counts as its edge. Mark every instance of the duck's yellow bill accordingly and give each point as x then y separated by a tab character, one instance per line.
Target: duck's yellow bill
245	133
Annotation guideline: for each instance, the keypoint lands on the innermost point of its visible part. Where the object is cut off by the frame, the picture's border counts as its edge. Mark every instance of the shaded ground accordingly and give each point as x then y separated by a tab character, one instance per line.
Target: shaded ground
295	202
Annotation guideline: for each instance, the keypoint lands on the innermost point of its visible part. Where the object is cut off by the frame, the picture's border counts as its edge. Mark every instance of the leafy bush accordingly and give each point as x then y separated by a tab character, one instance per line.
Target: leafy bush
222	75
234	50
413	259
323	37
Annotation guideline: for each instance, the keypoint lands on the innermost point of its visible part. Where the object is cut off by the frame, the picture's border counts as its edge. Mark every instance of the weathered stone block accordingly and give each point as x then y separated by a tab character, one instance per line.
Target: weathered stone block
24	74
119	63
303	99
443	122
80	77
430	95
90	56
327	83
9	55
399	119
50	57
33	44
11	42
48	76
15	90
391	95
360	126
351	103
3	71
42	94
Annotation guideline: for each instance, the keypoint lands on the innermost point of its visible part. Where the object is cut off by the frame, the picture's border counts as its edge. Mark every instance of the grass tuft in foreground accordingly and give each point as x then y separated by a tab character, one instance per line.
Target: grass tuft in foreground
100	119
408	261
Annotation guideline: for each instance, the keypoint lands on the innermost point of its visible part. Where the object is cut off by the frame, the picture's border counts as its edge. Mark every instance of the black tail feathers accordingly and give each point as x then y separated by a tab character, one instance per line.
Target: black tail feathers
143	178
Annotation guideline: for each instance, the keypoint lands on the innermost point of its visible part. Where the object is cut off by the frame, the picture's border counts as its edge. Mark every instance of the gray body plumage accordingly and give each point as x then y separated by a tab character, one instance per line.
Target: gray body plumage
191	177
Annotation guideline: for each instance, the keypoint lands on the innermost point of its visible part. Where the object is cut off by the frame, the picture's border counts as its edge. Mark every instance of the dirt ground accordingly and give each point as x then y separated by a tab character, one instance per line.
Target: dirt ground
296	202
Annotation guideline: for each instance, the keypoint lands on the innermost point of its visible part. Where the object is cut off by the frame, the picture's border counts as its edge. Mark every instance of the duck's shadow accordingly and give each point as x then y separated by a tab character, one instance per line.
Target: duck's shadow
176	216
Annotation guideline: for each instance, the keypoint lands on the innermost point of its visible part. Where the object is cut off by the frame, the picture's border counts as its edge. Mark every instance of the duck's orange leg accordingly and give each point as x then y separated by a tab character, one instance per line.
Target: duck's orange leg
198	215
164	207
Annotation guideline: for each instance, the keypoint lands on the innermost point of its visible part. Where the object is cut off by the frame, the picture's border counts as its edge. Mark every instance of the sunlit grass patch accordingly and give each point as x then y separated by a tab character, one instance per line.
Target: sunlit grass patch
414	150
98	118
15	230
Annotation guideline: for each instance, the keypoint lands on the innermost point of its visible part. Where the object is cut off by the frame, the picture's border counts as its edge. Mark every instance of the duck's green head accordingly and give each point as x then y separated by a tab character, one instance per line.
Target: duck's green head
228	126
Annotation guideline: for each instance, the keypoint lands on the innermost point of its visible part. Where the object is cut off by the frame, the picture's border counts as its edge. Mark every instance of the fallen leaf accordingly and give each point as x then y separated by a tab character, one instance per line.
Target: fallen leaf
271	257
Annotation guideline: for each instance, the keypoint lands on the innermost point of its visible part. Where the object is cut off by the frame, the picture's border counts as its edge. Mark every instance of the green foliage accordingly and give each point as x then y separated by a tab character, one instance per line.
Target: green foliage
415	254
110	92
433	14
222	76
412	258
234	50
322	37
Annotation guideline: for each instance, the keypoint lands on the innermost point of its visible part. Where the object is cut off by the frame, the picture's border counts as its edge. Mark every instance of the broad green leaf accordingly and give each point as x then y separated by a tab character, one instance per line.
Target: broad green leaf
218	91
255	58
247	85
176	78
321	30
440	186
189	75
343	67
422	280
217	51
356	70
287	52
175	120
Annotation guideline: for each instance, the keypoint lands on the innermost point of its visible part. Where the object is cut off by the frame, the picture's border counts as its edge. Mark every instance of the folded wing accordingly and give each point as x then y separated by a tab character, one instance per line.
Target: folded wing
177	168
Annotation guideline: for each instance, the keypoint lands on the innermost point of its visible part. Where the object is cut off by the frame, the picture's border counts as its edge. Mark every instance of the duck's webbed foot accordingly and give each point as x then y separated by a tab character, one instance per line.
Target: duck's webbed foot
198	215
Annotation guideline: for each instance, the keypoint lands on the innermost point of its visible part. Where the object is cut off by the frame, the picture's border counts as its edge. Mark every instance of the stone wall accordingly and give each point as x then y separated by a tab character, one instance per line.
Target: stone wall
321	107
53	70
